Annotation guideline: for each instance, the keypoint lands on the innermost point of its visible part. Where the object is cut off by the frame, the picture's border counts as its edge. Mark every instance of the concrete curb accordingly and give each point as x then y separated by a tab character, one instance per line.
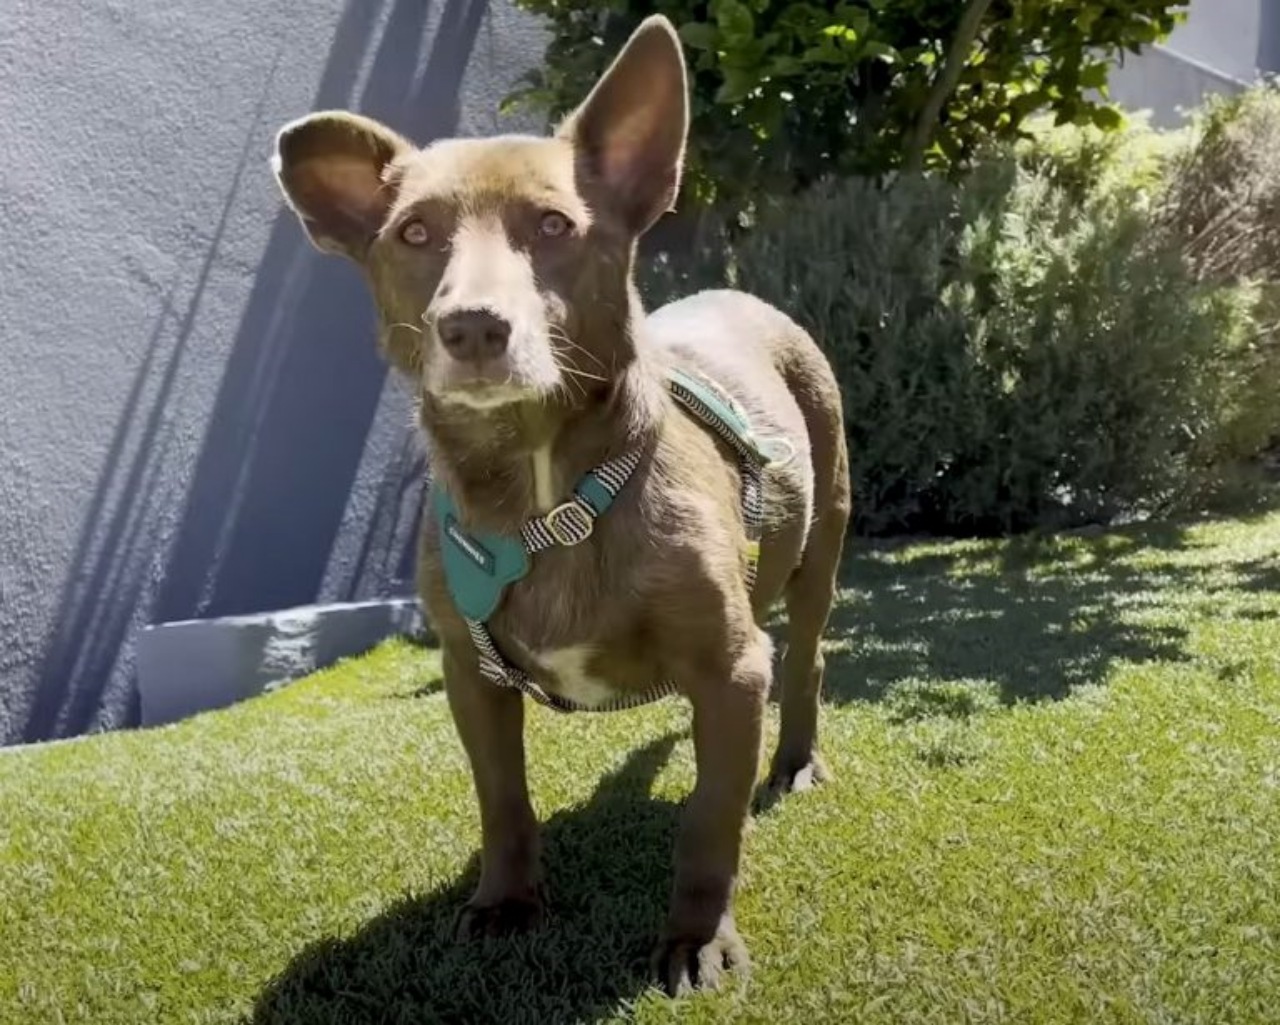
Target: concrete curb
201	664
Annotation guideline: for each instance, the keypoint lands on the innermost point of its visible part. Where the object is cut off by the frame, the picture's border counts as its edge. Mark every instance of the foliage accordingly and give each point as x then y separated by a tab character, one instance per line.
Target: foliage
1222	210
787	93
1023	348
1223	203
1086	160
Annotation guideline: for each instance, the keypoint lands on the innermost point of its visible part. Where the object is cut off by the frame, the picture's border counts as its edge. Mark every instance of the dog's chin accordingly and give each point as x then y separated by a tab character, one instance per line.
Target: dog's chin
491	384
487	396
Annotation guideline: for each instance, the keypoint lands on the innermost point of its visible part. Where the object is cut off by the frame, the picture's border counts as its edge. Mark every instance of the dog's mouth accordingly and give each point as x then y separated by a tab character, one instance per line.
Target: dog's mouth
486	384
482	393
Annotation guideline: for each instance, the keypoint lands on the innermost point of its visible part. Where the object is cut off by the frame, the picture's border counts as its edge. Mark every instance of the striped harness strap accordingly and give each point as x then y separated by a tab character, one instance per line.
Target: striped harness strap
480	567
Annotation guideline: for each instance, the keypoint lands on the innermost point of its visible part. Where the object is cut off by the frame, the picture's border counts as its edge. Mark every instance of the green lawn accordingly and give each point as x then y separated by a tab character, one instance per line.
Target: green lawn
1058	800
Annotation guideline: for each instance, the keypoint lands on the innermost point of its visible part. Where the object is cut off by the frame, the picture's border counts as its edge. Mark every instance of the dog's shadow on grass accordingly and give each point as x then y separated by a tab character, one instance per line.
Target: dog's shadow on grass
608	866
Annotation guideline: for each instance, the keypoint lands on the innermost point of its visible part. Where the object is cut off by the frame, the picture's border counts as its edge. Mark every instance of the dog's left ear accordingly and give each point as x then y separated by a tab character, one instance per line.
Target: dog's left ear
336	170
629	134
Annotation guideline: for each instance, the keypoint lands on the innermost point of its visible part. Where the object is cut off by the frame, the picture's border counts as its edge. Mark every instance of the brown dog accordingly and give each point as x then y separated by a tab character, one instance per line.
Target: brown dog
502	272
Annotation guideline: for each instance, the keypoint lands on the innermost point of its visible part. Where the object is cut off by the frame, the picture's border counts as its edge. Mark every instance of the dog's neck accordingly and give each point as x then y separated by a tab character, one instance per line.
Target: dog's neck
506	465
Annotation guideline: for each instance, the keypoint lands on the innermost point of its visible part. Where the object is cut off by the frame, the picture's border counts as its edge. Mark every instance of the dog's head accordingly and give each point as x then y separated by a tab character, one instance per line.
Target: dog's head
501	267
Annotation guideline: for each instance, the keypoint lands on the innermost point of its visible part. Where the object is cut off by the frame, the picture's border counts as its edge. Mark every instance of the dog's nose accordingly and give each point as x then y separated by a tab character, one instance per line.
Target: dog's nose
474	334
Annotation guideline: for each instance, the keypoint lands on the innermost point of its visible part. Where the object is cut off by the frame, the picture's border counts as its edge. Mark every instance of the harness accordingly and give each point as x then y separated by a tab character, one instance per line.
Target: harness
479	567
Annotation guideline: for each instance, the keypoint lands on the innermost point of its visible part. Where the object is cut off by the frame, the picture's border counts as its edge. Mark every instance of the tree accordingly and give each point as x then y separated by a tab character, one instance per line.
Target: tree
788	93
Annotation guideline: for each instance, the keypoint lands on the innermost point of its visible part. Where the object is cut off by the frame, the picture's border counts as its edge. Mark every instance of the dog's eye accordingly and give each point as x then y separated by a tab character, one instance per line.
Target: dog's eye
415	234
553	225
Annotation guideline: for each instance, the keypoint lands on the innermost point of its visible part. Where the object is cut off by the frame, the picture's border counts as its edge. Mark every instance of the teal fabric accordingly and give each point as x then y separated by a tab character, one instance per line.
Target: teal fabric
478	567
595	492
728	414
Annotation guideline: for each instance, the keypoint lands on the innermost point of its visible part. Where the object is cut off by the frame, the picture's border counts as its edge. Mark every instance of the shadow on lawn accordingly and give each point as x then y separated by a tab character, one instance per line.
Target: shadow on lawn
608	873
1037	617
1262	576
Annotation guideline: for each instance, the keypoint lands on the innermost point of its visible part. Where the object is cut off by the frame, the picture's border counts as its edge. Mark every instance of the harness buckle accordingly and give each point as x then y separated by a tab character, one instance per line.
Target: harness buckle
569	524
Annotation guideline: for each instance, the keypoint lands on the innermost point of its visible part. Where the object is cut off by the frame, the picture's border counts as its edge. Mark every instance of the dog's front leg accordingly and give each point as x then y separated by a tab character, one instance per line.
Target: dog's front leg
490	721
700	941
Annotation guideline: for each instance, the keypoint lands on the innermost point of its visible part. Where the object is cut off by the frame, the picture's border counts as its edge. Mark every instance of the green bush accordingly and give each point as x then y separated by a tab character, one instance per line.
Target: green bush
1019	349
788	93
1223	201
1088	161
1221	209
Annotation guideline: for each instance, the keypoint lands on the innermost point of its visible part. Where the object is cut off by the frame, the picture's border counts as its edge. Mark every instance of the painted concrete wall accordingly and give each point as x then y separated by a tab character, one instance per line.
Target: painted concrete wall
193	418
1223	34
1222	44
1168	85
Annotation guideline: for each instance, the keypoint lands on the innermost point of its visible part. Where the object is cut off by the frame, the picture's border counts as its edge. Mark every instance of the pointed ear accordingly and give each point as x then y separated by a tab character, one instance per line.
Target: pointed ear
336	172
629	134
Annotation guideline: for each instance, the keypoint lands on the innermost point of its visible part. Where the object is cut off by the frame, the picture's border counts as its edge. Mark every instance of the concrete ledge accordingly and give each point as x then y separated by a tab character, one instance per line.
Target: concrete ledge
201	664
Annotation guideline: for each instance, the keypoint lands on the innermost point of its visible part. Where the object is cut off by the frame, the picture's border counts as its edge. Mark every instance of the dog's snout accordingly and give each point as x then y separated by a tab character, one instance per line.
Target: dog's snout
473	334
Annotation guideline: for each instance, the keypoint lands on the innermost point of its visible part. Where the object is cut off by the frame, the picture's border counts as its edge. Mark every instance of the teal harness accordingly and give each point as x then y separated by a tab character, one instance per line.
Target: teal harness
479	567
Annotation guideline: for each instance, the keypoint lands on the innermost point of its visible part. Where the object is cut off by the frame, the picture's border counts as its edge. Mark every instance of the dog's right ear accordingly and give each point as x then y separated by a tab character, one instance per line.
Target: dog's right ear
336	170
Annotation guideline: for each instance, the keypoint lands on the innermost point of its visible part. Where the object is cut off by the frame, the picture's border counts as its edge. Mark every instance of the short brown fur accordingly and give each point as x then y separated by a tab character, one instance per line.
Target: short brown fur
468	233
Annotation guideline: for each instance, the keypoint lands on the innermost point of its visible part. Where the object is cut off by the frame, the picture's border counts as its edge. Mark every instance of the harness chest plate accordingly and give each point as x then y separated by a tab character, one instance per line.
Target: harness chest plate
479	566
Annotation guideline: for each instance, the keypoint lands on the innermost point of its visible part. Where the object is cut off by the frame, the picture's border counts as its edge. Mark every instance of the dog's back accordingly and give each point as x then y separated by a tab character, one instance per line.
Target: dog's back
775	370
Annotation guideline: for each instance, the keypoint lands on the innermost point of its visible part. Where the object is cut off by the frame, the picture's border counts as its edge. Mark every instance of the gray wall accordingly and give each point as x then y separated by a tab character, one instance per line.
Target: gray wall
1223	45
193	418
1223	35
1168	85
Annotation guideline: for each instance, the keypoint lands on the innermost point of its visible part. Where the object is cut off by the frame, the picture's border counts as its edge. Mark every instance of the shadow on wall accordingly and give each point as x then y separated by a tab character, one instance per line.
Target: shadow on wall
288	430
1268	57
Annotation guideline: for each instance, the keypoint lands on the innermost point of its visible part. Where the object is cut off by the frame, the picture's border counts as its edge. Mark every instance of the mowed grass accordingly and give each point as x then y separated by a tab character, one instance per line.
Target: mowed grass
1058	801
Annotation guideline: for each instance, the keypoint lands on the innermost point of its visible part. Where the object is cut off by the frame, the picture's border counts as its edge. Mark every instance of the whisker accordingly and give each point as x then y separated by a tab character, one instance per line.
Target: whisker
575	372
568	367
569	375
558	335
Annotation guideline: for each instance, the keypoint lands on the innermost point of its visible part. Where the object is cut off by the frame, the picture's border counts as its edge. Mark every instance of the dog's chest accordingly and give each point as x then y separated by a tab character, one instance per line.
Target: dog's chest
590	662
570	673
580	630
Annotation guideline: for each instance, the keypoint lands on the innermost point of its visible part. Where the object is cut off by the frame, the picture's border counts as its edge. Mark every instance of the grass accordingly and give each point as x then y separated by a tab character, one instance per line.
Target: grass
1058	801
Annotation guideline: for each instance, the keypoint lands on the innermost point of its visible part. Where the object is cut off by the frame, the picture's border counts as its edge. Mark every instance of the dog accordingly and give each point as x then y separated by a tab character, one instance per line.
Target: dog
502	273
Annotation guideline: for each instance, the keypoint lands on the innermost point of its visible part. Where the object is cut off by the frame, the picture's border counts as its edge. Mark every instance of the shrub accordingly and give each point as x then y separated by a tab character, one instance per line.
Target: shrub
1223	201
1088	161
1014	350
787	93
1222	210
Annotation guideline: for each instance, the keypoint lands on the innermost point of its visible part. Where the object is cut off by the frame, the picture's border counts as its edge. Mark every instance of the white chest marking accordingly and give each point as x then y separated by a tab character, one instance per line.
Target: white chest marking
569	668
543	479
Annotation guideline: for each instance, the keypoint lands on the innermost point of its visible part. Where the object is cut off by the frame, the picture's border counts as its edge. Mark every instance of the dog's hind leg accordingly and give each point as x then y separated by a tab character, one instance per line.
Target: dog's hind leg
796	762
809	596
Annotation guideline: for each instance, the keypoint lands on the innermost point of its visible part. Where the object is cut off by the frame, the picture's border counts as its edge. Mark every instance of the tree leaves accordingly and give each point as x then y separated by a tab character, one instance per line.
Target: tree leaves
787	93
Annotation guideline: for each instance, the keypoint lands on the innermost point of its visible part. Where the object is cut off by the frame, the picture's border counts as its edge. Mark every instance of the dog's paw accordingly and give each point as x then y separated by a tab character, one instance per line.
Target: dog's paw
789	777
683	964
503	918
792	779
